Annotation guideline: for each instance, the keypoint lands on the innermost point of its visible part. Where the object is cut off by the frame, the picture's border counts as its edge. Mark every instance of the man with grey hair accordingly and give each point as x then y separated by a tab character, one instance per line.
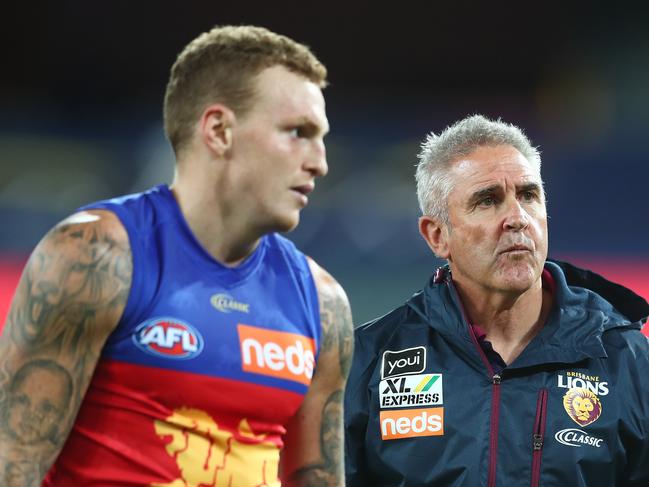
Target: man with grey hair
507	368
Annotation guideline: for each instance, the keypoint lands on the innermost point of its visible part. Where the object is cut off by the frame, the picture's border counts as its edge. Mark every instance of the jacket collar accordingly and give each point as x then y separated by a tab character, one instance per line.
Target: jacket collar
585	306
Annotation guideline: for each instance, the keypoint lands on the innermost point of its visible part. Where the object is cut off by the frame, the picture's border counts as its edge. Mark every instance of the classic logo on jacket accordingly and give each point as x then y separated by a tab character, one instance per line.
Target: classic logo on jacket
576	437
402	362
168	338
276	353
410	423
582	406
226	303
411	390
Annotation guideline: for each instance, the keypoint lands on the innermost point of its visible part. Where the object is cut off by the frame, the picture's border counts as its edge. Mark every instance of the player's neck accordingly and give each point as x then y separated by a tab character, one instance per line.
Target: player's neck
224	235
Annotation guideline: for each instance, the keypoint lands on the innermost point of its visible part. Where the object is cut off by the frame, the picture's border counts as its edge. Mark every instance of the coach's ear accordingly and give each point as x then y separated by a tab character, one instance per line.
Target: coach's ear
435	233
216	128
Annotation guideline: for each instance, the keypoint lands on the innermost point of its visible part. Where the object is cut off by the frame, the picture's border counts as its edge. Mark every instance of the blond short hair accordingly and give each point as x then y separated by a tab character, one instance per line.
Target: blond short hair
219	66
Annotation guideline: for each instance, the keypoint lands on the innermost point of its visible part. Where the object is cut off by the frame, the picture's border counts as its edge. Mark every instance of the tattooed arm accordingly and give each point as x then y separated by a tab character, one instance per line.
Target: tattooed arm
70	297
313	453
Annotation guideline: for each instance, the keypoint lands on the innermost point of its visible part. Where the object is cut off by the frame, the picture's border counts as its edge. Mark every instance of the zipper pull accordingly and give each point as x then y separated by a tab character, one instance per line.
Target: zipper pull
496	379
537	442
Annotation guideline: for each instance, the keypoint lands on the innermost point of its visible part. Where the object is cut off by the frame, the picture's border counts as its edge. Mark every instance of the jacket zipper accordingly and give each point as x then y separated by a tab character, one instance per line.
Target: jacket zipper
495	414
495	401
493	438
538	436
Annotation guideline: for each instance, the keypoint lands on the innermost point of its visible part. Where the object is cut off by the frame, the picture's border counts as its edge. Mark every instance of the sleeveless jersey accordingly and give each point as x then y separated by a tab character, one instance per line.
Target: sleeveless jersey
207	365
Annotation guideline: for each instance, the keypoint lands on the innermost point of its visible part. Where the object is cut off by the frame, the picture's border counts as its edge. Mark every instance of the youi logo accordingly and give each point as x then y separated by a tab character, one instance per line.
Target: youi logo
401	362
168	338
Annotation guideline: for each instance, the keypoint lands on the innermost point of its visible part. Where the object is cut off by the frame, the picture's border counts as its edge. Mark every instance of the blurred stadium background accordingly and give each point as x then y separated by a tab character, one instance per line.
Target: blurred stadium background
80	119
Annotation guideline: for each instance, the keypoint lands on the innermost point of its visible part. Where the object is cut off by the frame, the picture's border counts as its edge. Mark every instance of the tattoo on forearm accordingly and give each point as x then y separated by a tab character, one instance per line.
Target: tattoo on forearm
21	474
330	471
37	402
337	330
331	434
35	419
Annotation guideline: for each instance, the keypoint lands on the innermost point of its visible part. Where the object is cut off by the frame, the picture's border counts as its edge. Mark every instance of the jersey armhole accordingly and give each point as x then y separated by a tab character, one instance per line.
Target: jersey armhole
135	292
314	303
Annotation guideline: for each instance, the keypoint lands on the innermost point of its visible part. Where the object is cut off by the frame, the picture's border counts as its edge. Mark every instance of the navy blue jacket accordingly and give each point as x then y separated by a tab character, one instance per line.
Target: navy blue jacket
424	407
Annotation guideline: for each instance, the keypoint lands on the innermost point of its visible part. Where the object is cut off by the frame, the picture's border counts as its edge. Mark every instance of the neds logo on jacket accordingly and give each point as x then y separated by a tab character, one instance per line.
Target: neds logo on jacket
410	423
407	361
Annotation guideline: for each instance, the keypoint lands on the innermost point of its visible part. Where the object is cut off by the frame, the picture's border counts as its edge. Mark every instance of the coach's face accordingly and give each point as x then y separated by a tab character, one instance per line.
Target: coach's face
497	237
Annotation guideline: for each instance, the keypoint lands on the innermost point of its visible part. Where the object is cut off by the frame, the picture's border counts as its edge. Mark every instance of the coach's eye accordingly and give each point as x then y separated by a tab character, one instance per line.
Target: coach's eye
488	201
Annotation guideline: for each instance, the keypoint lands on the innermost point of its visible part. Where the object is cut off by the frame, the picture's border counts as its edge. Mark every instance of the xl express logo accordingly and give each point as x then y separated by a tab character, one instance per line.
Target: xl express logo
168	338
401	362
411	390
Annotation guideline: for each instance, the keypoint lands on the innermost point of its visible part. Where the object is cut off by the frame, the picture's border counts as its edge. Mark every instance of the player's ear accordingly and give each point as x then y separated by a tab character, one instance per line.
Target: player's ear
435	233
215	128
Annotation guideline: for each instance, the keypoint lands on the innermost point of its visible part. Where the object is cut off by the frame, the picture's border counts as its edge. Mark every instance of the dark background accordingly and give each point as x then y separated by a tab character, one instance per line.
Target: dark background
81	89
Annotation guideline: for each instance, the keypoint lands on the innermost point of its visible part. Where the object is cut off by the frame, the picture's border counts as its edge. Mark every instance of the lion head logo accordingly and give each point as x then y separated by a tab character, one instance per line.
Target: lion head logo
582	406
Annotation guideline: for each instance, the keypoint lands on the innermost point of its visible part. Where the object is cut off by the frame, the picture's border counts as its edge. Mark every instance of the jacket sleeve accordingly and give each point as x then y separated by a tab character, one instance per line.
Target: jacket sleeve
356	414
639	460
638	452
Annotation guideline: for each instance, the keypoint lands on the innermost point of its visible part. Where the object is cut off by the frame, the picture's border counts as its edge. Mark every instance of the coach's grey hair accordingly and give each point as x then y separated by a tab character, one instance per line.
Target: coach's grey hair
438	152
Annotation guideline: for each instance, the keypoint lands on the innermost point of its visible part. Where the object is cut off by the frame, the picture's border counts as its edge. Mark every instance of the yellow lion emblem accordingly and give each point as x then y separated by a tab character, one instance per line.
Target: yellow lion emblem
583	406
208	456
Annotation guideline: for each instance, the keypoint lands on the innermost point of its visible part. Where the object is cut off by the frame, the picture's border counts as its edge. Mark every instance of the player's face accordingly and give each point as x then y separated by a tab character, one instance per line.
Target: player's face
497	240
278	149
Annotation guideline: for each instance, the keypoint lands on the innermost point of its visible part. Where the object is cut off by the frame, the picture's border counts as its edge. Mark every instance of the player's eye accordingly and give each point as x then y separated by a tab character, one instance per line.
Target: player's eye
298	132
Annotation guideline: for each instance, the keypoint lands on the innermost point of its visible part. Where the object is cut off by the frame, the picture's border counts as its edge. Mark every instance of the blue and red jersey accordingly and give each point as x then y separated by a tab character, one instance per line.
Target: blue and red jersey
207	365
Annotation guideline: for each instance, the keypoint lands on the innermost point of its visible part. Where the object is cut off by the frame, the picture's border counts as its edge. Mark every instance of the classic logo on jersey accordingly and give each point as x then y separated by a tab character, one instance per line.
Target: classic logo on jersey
169	338
226	303
401	362
208	455
578	438
411	390
410	423
582	406
592	383
276	353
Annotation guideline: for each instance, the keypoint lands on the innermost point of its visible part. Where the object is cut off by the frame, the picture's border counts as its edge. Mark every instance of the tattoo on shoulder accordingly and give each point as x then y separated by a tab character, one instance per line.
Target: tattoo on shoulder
337	329
79	273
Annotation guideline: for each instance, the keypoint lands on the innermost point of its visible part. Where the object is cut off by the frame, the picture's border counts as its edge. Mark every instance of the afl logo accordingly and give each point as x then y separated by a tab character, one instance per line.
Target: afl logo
168	338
